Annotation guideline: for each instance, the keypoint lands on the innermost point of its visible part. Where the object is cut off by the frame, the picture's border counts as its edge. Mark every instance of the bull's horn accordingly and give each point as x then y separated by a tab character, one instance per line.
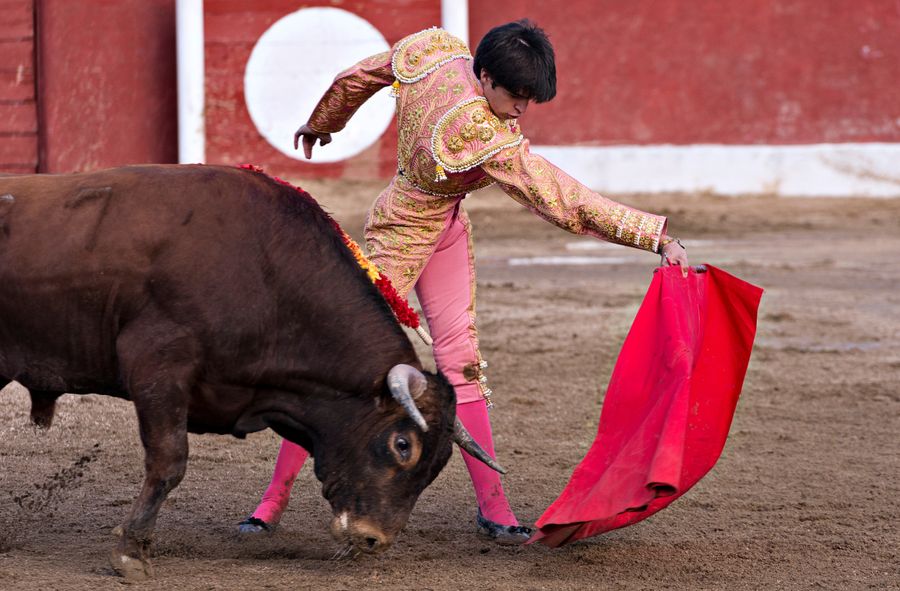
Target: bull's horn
407	383
466	442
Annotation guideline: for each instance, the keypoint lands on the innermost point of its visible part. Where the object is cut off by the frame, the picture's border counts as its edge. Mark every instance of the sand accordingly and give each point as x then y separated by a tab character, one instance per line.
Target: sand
803	497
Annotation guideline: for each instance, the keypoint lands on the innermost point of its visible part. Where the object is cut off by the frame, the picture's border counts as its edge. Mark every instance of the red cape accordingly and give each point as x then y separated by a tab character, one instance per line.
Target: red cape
668	407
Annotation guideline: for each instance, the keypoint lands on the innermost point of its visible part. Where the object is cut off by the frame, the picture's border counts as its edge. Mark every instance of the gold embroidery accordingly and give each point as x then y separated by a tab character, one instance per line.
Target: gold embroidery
401	241
434	48
549	192
420	106
467	131
350	89
460	121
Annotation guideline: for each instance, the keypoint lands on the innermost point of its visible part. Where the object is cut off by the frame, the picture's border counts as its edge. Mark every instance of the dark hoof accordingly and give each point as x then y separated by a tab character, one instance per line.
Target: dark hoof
253	525
131	569
504	535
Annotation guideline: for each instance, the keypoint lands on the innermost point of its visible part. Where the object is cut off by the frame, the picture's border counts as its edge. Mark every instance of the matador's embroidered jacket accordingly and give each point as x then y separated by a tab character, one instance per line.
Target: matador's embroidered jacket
451	143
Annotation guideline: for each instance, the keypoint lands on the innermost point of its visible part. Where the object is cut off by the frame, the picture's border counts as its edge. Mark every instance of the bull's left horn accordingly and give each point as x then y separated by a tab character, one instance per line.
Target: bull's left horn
465	441
407	383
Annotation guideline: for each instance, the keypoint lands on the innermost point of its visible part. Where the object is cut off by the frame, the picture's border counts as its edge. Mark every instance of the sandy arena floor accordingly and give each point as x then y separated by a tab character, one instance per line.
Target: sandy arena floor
804	496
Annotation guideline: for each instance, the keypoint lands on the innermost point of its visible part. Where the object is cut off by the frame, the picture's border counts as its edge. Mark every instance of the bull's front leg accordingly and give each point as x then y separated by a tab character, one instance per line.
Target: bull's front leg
164	435
159	385
43	407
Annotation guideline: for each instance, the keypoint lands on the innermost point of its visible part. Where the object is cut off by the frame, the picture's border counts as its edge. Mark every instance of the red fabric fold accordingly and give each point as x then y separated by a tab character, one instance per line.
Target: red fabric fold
668	407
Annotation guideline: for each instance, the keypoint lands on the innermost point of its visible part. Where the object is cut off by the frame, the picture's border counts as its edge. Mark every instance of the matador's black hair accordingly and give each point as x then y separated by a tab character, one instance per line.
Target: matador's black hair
519	57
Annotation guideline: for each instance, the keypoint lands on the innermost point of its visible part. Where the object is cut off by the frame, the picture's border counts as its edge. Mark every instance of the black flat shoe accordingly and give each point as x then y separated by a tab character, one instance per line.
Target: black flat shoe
253	525
505	535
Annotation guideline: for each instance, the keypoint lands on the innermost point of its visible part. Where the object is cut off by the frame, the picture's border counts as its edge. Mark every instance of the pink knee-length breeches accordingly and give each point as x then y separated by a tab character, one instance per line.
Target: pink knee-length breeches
446	291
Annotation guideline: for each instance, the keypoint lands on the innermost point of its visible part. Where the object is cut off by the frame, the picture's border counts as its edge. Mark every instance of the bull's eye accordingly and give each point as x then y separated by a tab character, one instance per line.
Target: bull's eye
403	447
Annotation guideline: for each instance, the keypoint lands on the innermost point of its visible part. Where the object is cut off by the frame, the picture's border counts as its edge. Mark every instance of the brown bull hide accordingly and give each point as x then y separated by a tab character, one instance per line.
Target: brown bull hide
217	300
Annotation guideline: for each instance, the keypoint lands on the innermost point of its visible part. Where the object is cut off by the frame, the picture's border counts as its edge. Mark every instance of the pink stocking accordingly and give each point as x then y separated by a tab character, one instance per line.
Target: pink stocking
488	489
274	501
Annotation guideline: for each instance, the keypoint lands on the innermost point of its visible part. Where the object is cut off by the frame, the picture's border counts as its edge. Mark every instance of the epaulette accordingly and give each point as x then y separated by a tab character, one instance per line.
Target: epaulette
421	54
468	135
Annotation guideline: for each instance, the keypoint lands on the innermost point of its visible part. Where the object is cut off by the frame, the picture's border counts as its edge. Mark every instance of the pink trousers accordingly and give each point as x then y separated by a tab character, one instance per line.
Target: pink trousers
446	291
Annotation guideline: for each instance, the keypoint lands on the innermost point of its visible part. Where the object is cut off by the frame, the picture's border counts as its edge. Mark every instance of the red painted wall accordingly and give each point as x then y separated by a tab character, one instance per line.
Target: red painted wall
18	114
714	71
638	72
232	28
107	83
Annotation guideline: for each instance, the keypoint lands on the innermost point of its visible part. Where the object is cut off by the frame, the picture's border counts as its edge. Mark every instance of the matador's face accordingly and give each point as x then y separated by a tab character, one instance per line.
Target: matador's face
504	103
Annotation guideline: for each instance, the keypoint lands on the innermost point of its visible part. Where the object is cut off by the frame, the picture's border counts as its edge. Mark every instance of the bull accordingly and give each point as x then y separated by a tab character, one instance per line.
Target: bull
218	300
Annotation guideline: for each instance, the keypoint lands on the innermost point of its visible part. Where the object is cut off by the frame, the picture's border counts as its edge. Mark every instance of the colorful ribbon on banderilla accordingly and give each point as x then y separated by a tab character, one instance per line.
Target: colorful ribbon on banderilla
399	306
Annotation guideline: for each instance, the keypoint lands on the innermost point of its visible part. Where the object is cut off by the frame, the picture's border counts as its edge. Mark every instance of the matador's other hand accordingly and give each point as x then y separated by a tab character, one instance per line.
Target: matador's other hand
310	136
673	253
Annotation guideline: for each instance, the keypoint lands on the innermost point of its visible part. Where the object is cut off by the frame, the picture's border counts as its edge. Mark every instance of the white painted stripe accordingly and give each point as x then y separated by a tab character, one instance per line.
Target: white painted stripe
830	170
191	66
455	18
594	244
567	260
591	244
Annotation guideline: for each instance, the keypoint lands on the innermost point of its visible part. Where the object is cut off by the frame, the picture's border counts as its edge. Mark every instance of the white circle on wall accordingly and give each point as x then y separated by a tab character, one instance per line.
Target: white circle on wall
291	66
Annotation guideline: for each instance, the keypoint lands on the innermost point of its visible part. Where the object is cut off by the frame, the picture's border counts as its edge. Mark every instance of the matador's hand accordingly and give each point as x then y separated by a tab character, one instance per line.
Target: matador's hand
310	136
673	253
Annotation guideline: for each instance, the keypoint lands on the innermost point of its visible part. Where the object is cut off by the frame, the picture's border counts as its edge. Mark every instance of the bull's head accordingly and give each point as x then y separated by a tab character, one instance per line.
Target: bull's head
386	452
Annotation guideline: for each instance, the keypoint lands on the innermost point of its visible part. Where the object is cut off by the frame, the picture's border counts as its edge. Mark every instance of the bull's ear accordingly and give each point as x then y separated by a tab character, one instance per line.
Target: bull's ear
418	386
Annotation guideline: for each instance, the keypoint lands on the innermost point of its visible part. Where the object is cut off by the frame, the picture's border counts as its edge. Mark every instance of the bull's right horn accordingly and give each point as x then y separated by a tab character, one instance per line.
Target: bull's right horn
407	383
465	441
